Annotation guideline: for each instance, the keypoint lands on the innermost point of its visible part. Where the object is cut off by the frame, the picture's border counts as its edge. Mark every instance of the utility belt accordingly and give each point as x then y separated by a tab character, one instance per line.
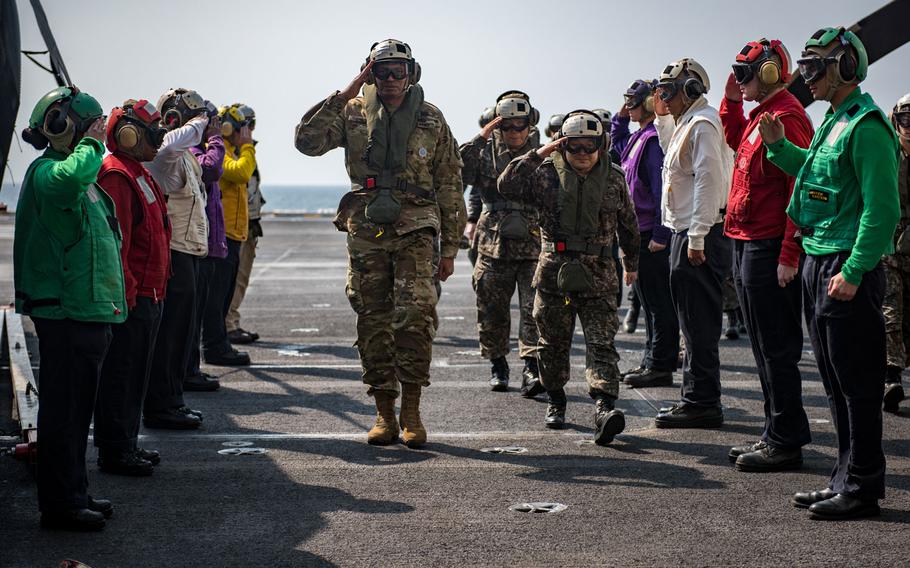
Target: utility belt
384	208
495	206
28	304
573	275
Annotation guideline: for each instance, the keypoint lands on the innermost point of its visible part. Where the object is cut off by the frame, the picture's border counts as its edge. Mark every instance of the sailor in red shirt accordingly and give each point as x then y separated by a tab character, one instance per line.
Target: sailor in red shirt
766	255
134	134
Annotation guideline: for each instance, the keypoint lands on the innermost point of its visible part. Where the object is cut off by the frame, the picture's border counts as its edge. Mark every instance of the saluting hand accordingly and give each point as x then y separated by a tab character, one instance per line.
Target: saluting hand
246	135
731	90
97	130
353	89
487	130
214	127
771	128
546	150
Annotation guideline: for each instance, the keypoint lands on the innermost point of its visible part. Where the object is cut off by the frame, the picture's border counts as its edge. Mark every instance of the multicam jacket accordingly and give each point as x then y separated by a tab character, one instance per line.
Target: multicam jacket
484	161
433	164
533	180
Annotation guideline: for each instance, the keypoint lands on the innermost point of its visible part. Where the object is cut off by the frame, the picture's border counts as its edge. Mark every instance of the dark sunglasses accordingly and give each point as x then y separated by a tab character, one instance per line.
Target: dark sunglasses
582	147
814	68
743	73
383	72
513	126
902	119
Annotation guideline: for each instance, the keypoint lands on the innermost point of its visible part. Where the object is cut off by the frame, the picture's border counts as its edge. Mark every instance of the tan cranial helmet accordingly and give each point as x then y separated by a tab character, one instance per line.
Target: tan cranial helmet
390	50
582	124
688	75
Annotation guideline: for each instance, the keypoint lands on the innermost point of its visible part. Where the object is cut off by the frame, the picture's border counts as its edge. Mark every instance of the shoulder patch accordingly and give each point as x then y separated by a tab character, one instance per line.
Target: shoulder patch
853	110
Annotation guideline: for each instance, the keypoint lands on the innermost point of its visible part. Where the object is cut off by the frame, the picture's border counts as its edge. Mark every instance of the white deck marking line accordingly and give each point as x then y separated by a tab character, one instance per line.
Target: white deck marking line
266	268
499	434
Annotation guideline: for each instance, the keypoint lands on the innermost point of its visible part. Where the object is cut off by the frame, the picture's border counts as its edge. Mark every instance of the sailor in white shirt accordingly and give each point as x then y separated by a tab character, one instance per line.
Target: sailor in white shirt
696	176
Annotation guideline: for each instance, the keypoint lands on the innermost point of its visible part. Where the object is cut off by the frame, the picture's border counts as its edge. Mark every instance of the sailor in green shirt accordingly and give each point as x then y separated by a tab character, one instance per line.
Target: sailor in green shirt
846	206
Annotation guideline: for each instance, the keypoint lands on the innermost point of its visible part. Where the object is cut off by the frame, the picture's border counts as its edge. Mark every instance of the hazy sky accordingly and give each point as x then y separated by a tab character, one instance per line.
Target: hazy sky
282	57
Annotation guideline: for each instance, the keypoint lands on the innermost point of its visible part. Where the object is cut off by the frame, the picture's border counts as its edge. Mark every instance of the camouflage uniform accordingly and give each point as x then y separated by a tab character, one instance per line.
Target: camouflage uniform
897	294
502	263
390	280
534	181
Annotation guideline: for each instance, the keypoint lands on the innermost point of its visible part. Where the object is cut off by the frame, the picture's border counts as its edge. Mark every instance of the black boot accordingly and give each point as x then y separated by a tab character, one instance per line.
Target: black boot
630	323
530	379
556	410
732	331
740	322
894	391
608	422
124	463
499	381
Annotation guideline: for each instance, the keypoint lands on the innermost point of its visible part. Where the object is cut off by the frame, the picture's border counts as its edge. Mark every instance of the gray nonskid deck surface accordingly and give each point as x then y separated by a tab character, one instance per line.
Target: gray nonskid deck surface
322	496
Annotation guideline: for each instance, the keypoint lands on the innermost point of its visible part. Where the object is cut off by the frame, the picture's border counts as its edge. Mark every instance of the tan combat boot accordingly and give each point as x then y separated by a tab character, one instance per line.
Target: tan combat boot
385	431
413	432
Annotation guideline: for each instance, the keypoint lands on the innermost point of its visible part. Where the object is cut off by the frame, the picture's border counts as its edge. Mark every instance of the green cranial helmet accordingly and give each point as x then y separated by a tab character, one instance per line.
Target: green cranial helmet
849	69
82	105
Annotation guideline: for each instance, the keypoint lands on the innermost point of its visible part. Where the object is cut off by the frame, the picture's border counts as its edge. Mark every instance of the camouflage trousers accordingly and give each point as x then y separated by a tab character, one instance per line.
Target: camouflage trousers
555	316
495	280
897	325
391	287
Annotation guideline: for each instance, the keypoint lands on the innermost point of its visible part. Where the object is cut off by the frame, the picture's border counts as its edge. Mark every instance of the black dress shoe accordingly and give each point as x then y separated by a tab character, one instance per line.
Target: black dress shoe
683	415
124	463
103	506
230	358
151	456
649	378
844	506
499	375
556	410
171	419
252	334
240	337
770	458
73	520
191	412
737	451
894	394
805	499
608	422
200	383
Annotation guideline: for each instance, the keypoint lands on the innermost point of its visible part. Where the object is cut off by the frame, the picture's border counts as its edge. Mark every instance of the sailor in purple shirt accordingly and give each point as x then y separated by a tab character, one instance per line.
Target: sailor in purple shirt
210	154
642	159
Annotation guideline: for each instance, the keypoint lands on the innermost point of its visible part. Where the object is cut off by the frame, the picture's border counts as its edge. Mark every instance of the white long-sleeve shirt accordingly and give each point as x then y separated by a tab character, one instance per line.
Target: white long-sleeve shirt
167	168
698	166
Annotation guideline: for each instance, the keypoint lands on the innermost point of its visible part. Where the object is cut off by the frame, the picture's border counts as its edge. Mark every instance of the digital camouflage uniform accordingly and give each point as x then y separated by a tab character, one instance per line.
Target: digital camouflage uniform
897	292
502	262
534	181
391	277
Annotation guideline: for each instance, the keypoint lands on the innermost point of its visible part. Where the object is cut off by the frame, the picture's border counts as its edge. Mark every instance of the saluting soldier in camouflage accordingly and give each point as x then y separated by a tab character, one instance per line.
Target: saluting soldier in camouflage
584	205
897	271
405	193
507	240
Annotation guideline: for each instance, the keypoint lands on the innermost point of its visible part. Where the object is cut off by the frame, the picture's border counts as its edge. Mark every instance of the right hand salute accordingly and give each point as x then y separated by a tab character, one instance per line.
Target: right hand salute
731	89
246	136
771	128
545	151
98	130
353	89
487	130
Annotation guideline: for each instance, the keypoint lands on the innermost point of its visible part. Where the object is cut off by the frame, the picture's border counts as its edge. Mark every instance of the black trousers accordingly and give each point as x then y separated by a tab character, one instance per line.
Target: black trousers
698	298
773	317
71	356
165	390
221	291
849	343
203	283
653	290
125	378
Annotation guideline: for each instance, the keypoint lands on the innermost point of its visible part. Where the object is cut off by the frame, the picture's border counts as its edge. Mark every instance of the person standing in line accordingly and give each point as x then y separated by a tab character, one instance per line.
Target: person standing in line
897	269
239	165
846	205
642	160
68	279
696	177
176	170
766	254
406	194
508	242
255	201
134	134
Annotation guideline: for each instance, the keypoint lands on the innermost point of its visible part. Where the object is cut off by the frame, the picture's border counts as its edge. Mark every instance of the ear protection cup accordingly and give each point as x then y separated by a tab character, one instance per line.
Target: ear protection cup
693	88
846	65
128	136
648	104
59	129
769	73
414	72
227	128
172	118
